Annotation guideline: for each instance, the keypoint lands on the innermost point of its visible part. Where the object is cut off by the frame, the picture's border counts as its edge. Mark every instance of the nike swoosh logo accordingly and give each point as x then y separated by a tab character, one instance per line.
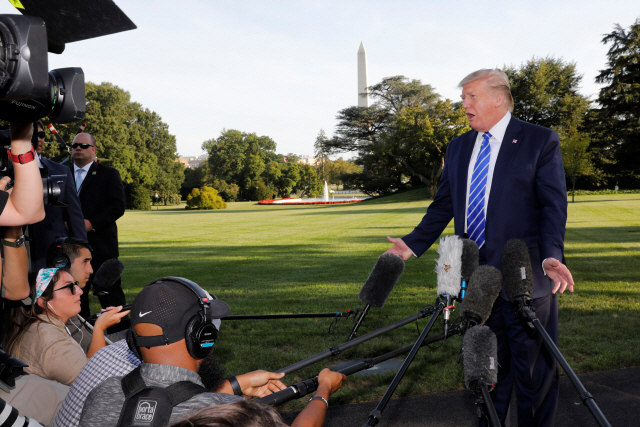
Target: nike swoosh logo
144	314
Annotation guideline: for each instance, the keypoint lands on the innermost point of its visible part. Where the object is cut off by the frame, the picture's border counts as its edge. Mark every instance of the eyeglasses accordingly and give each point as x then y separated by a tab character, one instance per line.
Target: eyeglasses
83	146
71	286
41	134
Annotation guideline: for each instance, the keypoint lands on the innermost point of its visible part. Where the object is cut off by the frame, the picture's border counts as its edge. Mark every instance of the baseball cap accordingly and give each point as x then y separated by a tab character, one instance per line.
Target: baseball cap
170	305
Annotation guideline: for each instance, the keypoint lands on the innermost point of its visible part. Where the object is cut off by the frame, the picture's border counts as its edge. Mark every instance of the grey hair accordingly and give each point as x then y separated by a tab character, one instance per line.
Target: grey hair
497	80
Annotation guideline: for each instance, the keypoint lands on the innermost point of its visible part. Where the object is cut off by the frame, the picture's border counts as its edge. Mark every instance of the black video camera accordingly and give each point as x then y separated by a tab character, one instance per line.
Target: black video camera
28	91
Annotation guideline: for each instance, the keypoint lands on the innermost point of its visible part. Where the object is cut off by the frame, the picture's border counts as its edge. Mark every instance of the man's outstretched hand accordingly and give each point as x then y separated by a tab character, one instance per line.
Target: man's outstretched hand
400	248
559	273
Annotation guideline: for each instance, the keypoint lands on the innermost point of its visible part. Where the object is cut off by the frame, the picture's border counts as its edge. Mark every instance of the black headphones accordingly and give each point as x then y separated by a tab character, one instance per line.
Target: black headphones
59	259
200	333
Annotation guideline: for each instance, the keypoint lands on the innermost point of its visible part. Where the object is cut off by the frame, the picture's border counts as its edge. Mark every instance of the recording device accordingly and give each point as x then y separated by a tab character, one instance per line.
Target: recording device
28	91
10	369
106	276
9	417
481	368
376	290
449	274
518	283
484	287
470	261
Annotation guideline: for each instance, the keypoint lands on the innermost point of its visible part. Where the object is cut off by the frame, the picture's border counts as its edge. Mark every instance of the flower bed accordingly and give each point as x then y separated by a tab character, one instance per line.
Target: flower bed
330	202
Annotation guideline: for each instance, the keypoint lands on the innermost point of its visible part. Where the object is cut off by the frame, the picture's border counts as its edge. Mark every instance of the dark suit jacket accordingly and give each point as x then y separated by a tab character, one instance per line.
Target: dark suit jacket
103	201
45	232
527	200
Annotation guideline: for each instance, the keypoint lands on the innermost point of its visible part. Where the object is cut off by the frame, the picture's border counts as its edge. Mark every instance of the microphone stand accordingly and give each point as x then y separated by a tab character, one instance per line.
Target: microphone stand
524	305
289	316
303	388
359	322
374	416
481	391
90	328
339	348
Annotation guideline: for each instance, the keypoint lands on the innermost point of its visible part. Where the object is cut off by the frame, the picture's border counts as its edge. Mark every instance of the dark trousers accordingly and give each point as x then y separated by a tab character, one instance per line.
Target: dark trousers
524	360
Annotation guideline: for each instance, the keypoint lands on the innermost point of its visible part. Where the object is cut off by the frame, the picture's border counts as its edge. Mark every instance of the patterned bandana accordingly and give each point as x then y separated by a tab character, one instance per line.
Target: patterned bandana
44	278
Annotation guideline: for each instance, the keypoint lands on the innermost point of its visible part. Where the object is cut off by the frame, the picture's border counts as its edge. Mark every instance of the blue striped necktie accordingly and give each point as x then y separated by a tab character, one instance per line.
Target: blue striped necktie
475	213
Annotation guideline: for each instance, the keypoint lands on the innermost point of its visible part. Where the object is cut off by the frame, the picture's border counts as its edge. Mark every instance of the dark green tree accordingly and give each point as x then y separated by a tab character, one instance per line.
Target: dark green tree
321	153
310	183
575	156
619	100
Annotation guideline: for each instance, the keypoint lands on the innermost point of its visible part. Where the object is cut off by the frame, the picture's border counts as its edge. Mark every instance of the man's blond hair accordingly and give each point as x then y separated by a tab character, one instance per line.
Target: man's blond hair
497	80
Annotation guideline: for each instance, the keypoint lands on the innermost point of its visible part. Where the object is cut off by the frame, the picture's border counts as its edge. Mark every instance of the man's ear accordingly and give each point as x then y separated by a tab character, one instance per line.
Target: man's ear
499	100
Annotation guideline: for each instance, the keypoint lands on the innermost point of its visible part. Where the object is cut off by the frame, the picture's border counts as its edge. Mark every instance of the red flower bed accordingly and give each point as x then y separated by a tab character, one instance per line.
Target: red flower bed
271	202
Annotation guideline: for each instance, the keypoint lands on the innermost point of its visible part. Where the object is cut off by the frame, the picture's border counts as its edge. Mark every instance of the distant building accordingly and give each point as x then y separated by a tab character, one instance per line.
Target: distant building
193	162
308	160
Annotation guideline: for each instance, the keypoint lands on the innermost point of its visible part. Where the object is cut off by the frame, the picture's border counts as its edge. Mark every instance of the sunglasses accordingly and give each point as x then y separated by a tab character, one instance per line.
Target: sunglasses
83	146
71	286
41	134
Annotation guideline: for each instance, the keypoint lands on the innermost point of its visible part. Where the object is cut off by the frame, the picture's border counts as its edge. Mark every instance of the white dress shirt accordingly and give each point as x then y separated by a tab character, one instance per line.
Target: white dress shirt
497	134
85	168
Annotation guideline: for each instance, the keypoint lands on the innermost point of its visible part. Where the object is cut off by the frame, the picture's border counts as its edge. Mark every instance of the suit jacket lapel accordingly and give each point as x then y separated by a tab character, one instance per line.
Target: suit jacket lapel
91	175
463	169
508	149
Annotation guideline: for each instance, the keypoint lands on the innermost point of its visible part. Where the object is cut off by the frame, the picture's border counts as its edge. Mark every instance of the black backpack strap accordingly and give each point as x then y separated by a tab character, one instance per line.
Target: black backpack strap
132	383
183	390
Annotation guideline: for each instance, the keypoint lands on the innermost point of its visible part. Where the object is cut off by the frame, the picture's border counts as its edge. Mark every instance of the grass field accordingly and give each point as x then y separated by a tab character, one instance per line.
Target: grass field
306	259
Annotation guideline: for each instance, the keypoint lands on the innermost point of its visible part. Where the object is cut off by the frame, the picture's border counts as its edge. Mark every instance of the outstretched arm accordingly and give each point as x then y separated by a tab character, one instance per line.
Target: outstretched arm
314	413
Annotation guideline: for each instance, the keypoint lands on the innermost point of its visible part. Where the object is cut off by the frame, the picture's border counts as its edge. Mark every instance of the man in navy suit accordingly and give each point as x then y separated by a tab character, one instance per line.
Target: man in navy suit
102	198
58	221
505	180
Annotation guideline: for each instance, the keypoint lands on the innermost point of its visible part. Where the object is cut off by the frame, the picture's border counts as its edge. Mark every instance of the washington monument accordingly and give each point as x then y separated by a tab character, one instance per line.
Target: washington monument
363	101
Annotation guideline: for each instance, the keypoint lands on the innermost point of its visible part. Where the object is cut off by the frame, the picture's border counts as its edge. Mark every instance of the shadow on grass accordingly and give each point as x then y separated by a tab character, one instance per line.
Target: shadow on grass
602	200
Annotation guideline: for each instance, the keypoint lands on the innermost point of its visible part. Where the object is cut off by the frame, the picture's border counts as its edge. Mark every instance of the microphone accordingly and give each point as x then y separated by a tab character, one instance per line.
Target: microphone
518	283
470	261
449	272
108	273
379	285
484	287
481	367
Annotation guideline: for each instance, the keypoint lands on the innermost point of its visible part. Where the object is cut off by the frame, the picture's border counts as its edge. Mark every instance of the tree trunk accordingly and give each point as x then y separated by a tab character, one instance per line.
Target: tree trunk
573	188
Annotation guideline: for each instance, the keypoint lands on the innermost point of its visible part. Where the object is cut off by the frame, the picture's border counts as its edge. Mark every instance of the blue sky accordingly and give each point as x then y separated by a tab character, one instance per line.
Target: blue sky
285	68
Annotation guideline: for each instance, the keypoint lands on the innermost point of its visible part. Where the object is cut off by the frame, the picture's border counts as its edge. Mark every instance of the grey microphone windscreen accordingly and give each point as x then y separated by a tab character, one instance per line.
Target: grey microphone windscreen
382	280
482	291
108	273
470	258
449	265
480	352
516	268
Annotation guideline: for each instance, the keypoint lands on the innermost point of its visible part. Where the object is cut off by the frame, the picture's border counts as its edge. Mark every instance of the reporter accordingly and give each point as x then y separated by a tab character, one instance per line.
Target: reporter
25	203
37	334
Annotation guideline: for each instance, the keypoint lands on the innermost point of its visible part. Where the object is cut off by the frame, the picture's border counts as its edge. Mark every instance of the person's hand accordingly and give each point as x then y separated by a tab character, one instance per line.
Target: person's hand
559	273
260	383
110	316
400	248
87	225
330	380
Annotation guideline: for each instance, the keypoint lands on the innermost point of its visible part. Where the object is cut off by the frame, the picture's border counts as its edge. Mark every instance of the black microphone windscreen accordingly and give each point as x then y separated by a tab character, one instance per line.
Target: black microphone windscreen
448	265
480	352
482	291
516	268
108	273
382	280
470	258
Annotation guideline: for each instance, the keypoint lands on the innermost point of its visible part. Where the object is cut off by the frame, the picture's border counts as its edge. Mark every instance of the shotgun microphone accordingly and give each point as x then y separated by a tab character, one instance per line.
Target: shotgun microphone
108	273
481	367
449	273
379	285
470	261
484	287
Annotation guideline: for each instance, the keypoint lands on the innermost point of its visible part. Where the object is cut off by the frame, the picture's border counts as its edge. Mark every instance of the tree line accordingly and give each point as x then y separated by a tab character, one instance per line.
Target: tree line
401	139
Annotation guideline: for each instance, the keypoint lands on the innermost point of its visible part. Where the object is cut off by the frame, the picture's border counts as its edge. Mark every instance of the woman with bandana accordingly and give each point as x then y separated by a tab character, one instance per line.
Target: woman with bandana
37	334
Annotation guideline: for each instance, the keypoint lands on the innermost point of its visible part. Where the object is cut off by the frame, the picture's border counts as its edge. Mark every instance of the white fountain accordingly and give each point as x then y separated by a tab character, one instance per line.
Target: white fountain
325	193
313	200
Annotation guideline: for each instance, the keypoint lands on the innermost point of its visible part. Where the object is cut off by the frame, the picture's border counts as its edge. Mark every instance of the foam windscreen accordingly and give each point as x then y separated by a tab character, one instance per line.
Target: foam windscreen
449	265
108	273
480	352
470	258
482	291
516	268
382	279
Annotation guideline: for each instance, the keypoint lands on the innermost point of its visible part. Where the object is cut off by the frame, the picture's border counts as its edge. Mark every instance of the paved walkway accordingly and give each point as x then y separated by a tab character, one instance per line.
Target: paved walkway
616	392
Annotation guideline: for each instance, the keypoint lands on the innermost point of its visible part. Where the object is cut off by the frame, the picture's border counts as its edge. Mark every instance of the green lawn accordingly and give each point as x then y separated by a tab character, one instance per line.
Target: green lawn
301	259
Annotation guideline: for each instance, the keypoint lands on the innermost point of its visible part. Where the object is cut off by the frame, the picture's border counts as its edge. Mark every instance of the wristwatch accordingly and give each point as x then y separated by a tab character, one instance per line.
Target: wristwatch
18	243
22	158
